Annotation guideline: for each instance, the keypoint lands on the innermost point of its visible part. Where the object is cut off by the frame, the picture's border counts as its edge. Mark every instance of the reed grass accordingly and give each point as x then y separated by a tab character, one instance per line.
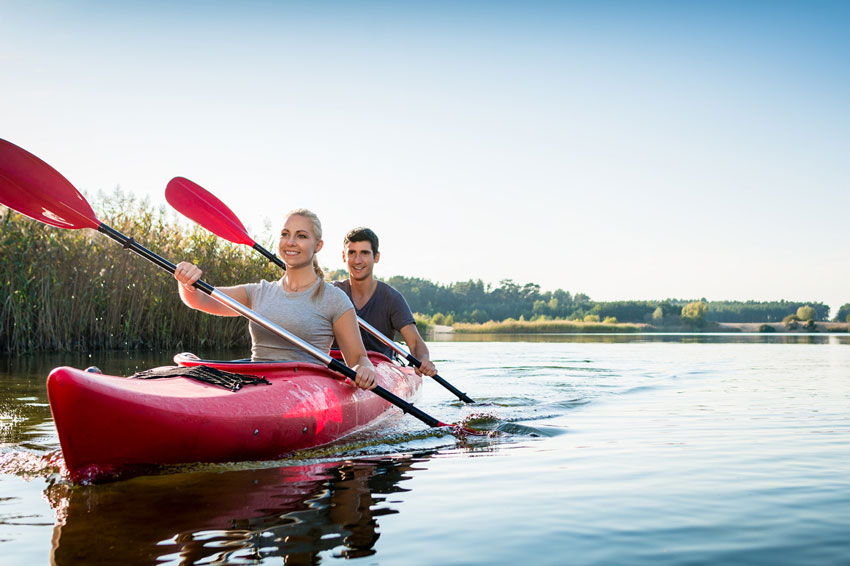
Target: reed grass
77	290
511	326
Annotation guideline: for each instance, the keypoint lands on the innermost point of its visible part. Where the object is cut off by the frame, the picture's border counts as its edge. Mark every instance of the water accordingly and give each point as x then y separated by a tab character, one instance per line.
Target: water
678	449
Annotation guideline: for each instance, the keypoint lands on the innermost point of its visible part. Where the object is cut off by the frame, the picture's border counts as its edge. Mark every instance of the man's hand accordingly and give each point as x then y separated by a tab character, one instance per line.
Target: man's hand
427	368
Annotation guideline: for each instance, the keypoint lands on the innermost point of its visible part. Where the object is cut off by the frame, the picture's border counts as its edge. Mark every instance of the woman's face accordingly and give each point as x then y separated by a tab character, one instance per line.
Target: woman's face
298	243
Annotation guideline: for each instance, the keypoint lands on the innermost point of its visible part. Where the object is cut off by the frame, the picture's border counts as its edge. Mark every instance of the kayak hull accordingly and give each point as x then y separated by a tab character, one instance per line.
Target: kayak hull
107	424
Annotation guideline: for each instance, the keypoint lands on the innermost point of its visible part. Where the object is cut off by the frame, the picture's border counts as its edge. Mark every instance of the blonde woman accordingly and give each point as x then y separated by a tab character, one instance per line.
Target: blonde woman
300	301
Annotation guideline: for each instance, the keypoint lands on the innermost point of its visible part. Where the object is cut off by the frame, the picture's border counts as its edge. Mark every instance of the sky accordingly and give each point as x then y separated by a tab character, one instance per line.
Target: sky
622	149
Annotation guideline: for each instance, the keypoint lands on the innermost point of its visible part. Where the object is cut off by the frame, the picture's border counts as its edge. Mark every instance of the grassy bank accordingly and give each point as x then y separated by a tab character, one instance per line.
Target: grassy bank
553	326
780	327
76	290
530	326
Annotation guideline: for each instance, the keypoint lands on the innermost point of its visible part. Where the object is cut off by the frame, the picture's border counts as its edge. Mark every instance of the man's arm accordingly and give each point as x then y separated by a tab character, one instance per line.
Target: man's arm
419	349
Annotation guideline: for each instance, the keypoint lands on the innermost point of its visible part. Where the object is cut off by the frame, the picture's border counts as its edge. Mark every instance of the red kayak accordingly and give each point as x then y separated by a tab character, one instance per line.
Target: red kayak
107	424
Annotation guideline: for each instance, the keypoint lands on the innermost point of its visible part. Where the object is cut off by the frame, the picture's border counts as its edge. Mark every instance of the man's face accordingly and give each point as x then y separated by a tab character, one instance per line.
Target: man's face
360	260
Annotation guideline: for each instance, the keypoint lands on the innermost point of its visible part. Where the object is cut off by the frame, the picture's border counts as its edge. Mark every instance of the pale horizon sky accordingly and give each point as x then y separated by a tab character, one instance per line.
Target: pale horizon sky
626	150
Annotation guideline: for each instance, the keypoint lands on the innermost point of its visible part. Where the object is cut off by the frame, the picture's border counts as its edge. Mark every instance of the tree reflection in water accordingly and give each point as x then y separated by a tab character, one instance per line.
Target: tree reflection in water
293	512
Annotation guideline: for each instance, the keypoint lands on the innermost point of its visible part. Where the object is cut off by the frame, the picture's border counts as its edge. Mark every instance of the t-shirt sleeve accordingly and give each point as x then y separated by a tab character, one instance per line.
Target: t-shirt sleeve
400	314
338	303
251	290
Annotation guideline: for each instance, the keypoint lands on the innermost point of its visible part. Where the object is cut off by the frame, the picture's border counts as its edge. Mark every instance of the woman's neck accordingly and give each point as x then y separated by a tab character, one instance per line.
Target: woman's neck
298	279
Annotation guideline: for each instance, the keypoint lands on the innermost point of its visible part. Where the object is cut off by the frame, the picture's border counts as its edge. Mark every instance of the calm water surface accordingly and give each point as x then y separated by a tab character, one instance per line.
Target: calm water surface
661	450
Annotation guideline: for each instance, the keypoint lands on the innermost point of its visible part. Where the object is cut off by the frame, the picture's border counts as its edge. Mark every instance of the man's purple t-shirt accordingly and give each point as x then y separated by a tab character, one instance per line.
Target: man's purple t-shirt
386	310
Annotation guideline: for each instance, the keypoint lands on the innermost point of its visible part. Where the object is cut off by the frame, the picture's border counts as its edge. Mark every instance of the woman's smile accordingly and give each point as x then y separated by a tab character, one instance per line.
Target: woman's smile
297	241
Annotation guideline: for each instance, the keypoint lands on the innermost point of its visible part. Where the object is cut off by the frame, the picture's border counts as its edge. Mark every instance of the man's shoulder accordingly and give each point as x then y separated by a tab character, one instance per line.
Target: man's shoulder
393	298
388	290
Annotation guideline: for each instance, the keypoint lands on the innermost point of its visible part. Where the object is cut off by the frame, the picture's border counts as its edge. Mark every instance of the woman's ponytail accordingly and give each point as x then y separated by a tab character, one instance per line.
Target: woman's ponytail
320	288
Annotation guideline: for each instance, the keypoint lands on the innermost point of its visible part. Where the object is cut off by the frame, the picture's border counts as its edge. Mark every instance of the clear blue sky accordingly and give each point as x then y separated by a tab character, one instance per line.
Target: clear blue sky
627	150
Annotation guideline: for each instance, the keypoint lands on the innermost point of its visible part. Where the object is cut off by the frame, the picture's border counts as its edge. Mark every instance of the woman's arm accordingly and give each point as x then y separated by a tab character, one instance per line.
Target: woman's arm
347	335
187	273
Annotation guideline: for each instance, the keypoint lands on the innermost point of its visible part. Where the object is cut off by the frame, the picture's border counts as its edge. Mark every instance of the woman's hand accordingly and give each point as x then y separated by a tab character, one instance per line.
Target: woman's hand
367	377
347	335
187	273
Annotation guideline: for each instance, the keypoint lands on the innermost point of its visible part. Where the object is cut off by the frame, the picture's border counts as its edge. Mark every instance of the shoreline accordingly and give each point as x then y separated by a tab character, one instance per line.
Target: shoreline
780	327
642	328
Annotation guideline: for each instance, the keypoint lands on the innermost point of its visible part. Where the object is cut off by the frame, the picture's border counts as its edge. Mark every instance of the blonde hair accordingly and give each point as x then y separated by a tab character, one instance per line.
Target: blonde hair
317	233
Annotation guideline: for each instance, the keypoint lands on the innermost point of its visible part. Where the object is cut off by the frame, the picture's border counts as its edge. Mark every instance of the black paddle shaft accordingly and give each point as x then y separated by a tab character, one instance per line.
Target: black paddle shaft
270	256
436	377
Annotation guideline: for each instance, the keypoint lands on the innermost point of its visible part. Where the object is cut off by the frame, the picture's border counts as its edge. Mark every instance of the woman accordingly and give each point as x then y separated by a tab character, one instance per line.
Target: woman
301	301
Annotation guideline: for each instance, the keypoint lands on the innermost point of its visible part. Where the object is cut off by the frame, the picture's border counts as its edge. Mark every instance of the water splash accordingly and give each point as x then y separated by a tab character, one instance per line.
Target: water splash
495	426
30	465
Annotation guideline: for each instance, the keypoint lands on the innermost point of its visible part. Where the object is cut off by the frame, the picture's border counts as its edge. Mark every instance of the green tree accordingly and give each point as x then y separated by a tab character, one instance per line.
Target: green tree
540	307
658	315
335	274
806	313
694	313
479	315
843	313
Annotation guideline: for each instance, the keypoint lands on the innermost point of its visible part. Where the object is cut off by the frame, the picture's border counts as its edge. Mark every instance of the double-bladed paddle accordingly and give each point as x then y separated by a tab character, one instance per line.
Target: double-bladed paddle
35	189
204	208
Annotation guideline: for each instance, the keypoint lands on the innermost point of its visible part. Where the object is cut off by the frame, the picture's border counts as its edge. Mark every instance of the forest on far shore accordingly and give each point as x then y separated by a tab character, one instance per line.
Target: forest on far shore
477	302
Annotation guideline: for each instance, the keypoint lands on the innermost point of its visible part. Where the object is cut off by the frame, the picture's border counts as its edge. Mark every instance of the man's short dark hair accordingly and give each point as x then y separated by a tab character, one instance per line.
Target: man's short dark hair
362	234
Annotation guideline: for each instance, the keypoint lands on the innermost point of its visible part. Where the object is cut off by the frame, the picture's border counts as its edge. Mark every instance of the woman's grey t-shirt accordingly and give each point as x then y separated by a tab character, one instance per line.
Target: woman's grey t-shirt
301	315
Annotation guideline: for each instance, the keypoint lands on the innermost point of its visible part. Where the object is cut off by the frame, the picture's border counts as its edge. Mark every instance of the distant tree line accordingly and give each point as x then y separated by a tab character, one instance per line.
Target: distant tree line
475	301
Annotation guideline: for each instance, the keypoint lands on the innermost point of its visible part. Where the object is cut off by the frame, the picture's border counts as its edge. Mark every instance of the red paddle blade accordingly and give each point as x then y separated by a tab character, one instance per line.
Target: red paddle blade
35	189
196	203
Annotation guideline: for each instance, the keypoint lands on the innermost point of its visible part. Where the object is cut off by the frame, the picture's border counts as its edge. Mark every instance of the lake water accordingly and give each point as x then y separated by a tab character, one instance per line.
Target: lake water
632	449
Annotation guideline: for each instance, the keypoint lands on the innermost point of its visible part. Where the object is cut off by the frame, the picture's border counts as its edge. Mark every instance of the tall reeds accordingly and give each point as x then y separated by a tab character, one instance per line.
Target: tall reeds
76	290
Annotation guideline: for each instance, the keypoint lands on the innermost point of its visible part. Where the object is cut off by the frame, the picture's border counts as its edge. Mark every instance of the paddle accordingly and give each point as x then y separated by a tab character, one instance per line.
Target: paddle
198	204
33	188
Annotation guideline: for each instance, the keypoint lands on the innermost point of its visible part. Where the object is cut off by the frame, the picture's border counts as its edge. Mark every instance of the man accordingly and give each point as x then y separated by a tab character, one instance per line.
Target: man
376	302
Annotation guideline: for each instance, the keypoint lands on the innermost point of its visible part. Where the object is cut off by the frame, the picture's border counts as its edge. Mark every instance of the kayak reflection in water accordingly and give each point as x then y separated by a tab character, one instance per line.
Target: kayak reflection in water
300	301
213	517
